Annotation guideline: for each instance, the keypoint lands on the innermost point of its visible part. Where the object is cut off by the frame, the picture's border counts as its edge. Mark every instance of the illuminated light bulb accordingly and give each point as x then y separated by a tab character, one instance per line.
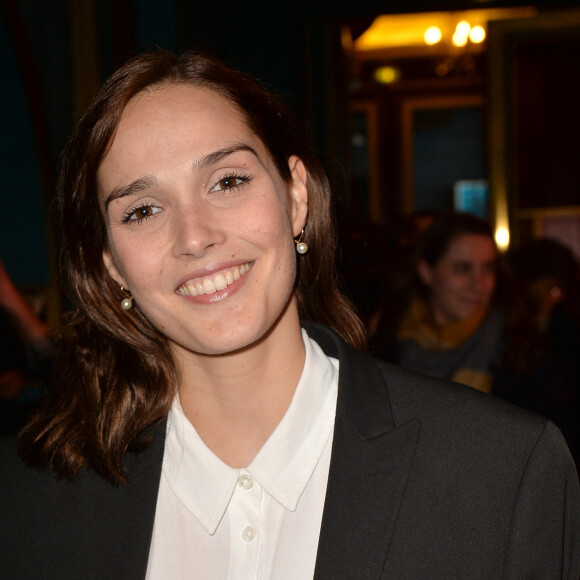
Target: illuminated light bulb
463	28
432	35
502	238
477	34
387	75
459	40
461	34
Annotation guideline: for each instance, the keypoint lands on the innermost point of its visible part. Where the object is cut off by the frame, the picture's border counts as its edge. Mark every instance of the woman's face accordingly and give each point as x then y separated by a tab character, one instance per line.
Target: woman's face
463	280
199	221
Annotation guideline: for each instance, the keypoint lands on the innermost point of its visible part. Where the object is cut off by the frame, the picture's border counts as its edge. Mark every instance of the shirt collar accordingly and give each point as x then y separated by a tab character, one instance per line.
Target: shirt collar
204	484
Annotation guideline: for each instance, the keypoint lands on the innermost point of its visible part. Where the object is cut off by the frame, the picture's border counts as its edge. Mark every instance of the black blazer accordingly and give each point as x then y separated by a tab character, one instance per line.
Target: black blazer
428	480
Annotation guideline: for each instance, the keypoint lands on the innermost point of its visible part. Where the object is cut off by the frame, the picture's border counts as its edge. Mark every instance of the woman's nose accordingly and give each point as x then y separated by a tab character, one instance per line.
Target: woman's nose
483	281
196	229
477	279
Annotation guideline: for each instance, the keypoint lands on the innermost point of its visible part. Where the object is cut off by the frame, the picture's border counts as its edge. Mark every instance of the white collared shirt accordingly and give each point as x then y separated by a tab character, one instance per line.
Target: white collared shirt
215	522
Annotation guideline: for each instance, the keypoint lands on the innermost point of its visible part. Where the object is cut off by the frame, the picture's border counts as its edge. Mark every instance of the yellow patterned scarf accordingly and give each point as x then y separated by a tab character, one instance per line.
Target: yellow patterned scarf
419	326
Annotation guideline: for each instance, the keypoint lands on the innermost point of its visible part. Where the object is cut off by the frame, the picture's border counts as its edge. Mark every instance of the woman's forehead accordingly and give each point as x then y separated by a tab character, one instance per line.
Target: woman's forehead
178	101
470	245
178	116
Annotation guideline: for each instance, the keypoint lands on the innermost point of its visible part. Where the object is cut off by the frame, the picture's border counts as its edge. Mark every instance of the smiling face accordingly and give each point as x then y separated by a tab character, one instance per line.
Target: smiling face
200	223
463	280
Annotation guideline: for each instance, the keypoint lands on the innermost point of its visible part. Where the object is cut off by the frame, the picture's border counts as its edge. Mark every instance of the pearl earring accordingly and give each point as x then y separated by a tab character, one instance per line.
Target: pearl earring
127	302
301	247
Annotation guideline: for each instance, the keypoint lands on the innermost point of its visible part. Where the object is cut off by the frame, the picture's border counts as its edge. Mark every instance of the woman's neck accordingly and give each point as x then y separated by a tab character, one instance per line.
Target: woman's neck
235	401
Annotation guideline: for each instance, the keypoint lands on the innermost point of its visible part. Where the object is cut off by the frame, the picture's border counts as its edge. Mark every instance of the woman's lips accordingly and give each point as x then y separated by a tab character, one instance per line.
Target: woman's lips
213	283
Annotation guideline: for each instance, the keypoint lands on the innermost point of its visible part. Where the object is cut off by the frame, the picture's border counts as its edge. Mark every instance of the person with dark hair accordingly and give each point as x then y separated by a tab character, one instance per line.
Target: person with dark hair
540	370
450	329
211	415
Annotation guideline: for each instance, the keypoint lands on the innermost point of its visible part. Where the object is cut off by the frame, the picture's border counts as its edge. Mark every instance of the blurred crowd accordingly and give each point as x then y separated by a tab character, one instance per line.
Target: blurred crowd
437	297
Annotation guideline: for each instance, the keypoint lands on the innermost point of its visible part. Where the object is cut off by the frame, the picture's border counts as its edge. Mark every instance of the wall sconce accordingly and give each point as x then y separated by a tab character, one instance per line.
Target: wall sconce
387	75
502	238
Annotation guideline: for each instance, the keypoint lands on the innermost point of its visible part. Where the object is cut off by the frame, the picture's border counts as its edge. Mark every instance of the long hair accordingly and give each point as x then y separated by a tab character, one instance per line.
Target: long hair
115	375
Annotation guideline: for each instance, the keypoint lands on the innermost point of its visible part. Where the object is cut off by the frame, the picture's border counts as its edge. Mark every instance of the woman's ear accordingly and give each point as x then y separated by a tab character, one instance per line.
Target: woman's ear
111	267
425	272
298	194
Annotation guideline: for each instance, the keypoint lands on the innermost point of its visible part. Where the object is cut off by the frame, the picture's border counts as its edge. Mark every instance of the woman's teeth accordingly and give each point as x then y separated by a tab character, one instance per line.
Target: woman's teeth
214	282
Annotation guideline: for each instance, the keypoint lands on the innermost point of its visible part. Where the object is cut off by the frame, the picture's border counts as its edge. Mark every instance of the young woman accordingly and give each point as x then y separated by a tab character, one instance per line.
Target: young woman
199	426
450	330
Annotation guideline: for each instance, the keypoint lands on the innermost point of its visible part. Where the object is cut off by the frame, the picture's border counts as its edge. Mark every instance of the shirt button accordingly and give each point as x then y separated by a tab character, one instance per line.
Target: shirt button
245	482
248	533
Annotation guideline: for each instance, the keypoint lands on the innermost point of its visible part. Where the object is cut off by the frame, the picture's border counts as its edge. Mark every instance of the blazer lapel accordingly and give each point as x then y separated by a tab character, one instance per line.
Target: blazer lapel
366	484
370	464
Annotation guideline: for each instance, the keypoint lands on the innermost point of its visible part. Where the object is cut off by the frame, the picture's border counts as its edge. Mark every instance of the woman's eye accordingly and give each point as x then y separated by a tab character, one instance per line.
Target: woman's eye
141	213
461	268
230	183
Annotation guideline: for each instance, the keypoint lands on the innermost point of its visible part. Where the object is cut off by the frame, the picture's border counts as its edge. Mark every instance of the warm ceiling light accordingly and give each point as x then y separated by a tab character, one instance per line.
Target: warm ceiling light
432	35
477	34
406	33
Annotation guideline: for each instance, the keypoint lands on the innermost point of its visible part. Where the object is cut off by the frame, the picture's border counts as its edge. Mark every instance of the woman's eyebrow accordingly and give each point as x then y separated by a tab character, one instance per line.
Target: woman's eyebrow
220	154
134	187
147	182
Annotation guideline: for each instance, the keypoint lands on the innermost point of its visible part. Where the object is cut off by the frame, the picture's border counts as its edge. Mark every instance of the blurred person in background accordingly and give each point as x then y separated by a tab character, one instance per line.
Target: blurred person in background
449	328
540	368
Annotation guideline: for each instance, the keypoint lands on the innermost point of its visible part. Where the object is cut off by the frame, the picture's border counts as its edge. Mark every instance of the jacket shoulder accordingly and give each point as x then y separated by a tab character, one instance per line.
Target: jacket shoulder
413	393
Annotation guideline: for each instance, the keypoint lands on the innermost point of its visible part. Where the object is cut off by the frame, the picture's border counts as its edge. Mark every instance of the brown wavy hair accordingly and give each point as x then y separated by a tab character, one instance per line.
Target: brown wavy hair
114	373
